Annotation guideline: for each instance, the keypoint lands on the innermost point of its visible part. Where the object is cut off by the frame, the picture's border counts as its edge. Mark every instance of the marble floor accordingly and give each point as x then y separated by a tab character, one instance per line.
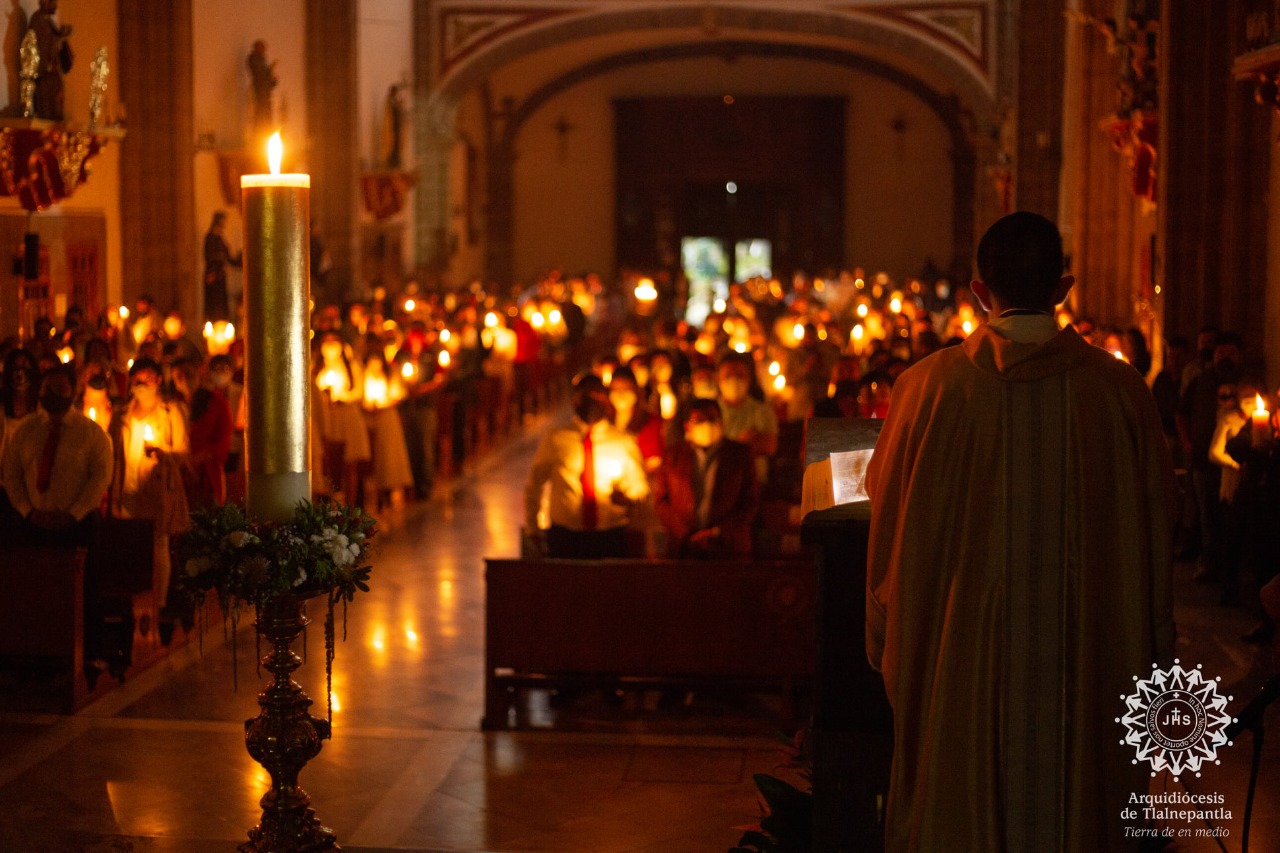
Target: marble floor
159	764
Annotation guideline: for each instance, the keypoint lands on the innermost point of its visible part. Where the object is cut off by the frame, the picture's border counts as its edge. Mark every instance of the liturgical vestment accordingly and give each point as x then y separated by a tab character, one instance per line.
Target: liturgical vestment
1018	579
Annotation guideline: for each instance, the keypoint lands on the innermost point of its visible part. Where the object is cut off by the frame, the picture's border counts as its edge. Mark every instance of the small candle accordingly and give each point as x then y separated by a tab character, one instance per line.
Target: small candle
407	370
1260	422
444	358
614	469
667	405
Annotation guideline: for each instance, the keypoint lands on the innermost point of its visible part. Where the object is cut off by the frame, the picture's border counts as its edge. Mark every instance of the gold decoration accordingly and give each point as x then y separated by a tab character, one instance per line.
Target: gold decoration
30	55
99	69
6	161
72	150
283	738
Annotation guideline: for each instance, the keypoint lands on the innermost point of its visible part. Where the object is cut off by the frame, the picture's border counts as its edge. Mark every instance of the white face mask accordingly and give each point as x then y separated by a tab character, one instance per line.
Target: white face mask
331	351
704	434
624	400
705	390
733	388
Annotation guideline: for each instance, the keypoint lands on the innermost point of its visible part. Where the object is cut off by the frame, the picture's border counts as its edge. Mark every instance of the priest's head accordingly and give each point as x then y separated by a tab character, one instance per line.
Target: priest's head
1020	265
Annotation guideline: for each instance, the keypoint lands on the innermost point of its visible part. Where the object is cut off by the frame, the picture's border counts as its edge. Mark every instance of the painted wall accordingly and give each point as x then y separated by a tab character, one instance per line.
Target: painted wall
224	35
93	26
898	187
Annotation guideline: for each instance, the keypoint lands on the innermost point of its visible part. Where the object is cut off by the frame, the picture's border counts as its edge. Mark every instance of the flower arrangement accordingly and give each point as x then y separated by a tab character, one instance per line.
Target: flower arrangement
322	550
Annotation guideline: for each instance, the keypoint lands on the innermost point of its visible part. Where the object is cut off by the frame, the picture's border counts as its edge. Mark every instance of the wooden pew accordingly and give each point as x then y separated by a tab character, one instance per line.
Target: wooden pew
698	622
42	613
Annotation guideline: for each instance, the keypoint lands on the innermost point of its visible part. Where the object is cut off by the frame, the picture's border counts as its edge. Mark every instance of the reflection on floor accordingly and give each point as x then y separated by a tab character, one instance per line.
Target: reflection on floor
160	766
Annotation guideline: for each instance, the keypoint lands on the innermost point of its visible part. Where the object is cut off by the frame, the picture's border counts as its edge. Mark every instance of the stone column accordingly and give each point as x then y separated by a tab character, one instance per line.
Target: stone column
157	172
332	47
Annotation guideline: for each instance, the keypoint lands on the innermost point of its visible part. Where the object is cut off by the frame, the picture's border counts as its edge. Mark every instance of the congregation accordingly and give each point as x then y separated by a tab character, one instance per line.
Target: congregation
685	441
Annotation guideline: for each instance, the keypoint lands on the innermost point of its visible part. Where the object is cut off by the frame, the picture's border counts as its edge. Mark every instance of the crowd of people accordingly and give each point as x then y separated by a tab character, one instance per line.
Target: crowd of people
681	432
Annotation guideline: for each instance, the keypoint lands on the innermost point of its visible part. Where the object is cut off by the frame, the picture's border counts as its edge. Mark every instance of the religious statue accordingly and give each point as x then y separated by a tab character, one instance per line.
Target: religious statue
262	78
55	60
393	127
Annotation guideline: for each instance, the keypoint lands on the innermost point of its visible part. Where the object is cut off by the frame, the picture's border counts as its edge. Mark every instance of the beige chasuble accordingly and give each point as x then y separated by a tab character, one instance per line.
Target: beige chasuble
1018	579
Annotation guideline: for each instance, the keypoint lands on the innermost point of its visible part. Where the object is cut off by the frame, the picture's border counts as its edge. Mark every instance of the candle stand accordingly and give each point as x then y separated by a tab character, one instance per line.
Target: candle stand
283	738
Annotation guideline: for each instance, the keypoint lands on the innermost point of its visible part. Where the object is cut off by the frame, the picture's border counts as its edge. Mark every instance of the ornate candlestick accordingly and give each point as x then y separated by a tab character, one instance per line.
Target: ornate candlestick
283	738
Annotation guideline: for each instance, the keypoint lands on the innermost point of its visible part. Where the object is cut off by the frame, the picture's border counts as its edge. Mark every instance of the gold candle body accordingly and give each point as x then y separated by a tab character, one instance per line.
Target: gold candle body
277	354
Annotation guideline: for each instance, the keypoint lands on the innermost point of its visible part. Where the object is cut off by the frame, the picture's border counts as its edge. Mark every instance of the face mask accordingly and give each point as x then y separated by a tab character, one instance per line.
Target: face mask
661	373
590	410
642	375
705	434
623	400
221	380
705	390
55	404
626	352
331	352
733	388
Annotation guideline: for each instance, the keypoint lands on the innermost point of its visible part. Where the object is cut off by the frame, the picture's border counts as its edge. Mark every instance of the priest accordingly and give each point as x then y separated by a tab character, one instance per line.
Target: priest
1018	572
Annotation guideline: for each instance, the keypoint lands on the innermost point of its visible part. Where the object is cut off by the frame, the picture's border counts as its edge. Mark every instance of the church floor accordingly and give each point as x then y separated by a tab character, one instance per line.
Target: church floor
159	765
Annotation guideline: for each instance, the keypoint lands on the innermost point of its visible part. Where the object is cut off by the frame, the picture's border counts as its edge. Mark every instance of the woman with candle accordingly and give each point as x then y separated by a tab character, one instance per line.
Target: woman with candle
383	391
150	445
346	437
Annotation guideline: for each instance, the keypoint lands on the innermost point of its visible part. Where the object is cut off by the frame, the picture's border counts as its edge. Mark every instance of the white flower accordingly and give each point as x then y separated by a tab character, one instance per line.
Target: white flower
354	549
302	577
343	541
239	538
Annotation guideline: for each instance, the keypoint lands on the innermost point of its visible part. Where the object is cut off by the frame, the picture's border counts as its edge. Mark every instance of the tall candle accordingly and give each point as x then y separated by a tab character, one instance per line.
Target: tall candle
1260	422
277	238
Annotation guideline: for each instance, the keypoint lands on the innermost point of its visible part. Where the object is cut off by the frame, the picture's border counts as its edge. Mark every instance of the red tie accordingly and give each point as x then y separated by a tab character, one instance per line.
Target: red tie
45	474
588	483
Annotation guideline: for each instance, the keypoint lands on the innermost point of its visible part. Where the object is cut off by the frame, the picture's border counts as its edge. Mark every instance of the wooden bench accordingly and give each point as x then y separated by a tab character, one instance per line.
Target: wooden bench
42	614
700	622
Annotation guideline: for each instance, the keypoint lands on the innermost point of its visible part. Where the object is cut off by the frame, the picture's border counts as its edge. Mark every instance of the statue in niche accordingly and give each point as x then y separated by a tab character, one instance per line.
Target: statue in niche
393	127
262	79
55	60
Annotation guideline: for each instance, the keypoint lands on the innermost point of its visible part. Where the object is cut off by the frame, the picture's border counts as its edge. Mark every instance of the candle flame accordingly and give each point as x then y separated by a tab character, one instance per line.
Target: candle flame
124	313
407	370
491	320
740	346
148	434
444	358
645	290
895	305
93	414
409	305
779	382
1119	355
858	332
798	331
275	152
65	355
229	332
208	328
1259	404
862	310
615	470
774	368
967	325
445	334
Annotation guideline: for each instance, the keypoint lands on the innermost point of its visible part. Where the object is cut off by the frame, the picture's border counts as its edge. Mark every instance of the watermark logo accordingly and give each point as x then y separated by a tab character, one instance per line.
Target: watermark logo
1175	720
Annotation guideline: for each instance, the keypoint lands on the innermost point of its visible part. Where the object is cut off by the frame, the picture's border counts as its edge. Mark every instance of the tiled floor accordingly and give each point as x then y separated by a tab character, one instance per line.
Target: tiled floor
159	766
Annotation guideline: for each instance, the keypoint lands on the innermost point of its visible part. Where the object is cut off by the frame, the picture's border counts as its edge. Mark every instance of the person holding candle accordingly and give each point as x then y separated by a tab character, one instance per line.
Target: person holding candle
383	391
591	473
341	379
705	491
629	415
745	418
151	444
418	364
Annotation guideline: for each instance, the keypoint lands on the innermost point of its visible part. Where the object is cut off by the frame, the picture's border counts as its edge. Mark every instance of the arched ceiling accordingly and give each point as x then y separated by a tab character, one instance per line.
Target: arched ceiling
949	47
